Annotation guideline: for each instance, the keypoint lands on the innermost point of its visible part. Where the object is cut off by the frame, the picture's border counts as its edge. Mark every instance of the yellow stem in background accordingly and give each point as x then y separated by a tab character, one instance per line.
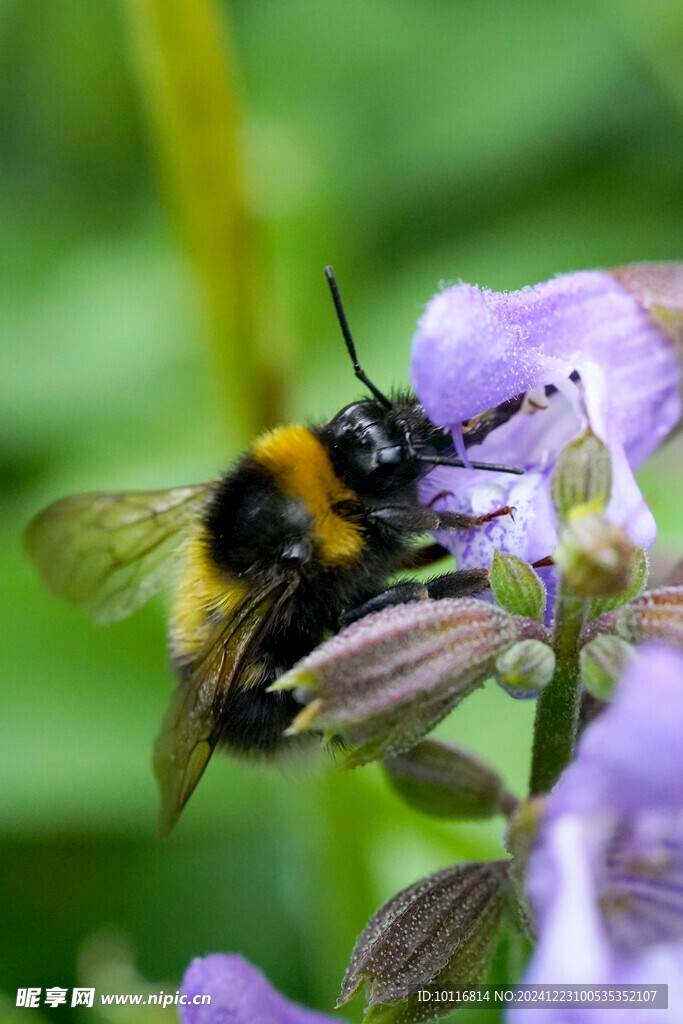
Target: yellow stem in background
654	33
188	82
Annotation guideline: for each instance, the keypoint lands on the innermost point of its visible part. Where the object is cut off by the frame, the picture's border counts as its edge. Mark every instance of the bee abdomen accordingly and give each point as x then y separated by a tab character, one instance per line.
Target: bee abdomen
254	721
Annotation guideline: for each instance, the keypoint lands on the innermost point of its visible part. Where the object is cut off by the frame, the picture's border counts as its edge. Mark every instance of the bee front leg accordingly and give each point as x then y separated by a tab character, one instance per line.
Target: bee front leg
462	521
408	519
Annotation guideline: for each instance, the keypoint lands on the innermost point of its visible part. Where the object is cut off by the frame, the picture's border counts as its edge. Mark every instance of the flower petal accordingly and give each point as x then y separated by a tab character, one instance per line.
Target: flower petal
475	349
529	534
631	758
240	994
573	947
606	876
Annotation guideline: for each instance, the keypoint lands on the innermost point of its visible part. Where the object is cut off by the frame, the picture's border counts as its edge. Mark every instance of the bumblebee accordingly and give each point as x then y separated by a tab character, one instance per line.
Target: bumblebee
298	539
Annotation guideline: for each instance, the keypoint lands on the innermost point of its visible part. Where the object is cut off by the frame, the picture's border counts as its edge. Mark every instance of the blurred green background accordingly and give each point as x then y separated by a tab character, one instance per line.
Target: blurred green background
175	175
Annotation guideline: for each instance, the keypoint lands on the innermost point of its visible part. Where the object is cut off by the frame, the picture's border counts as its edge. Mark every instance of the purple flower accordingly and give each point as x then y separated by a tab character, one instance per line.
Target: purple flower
606	876
240	994
476	348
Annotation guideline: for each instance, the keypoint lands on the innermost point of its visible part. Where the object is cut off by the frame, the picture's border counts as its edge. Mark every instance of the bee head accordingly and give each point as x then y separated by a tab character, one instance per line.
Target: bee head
378	446
372	447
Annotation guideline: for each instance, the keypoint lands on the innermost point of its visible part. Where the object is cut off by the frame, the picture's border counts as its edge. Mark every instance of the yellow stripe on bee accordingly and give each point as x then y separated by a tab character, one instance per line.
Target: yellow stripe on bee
302	468
202	589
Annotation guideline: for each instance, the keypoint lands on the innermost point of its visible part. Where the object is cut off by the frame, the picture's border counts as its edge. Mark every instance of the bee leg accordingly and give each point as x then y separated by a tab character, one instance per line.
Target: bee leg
400	593
462	583
463	521
406	519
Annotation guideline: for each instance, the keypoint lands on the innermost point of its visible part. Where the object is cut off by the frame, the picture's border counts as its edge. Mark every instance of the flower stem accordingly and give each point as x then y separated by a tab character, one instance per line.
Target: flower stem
557	713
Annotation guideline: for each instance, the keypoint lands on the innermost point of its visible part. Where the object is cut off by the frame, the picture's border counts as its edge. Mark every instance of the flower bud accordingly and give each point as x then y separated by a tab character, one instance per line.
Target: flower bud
639	570
525	668
440	930
596	557
582	477
655	615
439	779
516	586
602	662
385	681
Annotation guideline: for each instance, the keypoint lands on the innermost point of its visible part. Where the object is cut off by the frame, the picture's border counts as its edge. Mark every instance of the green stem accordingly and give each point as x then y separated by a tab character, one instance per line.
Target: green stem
557	713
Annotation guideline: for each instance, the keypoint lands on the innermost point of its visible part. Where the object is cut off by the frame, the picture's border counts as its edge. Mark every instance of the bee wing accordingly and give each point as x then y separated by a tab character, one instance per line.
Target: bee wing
108	553
188	733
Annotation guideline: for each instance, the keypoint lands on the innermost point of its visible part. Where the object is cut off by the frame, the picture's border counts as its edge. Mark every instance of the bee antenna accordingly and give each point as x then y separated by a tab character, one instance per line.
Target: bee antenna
439	460
344	324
